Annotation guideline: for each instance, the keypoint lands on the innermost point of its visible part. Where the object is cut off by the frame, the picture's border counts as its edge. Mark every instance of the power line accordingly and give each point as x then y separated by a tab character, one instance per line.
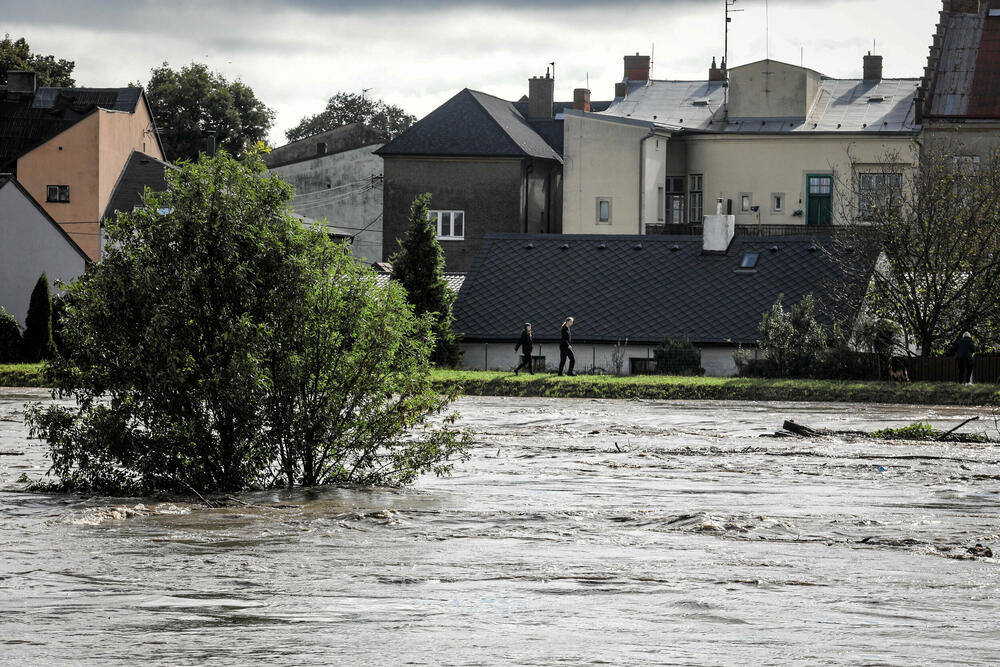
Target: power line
338	187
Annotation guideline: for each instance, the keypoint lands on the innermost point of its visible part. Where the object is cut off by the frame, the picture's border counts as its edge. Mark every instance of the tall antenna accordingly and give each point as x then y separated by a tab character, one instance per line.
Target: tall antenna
553	63
652	59
725	53
767	31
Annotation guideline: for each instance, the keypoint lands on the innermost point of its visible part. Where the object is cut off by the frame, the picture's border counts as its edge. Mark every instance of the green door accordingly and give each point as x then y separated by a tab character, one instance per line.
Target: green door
819	199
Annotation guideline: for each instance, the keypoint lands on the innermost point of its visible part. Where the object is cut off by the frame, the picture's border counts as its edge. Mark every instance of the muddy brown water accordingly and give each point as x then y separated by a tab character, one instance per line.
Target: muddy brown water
580	532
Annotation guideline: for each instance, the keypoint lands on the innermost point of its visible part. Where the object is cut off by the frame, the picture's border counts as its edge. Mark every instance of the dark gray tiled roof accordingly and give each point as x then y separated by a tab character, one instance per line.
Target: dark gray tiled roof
27	121
640	287
140	171
472	124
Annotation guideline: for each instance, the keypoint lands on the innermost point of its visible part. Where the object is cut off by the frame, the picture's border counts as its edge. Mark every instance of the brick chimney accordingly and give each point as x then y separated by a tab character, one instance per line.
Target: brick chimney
716	73
22	82
637	68
541	96
581	99
873	67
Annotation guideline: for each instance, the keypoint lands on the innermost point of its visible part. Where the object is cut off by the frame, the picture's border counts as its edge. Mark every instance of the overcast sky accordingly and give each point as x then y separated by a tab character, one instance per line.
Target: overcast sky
297	53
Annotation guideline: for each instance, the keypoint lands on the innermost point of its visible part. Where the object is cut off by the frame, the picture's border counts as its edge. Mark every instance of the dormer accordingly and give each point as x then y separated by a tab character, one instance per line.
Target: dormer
771	89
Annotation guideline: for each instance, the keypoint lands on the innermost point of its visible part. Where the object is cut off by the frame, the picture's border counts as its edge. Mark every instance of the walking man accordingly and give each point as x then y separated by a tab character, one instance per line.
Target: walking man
526	347
965	354
565	347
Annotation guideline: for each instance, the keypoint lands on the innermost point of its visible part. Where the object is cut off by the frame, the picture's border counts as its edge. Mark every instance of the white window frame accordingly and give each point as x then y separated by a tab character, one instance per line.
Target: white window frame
696	198
778	200
874	187
597	211
444	222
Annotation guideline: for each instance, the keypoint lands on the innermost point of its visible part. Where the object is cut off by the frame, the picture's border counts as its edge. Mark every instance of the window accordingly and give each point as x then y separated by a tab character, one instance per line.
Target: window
696	197
777	202
59	193
876	192
604	210
750	260
450	224
675	199
746	202
661	205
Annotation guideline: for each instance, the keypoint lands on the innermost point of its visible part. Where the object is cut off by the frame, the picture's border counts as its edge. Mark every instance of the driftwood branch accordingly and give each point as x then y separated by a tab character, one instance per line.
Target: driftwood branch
971	419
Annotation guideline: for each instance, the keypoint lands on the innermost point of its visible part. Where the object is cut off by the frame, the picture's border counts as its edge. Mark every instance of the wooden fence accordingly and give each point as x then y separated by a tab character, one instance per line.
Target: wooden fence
945	369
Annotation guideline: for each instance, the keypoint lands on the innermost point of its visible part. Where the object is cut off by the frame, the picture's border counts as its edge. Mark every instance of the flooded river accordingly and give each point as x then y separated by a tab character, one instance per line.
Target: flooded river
580	532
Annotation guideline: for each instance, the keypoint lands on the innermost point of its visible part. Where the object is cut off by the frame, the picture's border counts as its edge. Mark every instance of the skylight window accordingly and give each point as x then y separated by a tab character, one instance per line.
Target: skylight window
750	260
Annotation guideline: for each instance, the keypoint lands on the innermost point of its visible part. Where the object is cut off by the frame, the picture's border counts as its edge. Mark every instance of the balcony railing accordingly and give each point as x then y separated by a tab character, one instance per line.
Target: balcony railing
747	230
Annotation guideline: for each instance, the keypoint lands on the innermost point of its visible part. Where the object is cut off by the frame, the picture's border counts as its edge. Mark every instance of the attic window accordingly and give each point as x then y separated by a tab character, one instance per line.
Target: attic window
564	246
530	246
675	248
876	98
700	103
57	193
603	246
995	12
749	261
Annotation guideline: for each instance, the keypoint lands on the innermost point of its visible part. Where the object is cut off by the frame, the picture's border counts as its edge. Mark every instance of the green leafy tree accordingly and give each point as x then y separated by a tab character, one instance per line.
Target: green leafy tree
419	268
222	346
37	343
388	120
10	338
16	55
190	102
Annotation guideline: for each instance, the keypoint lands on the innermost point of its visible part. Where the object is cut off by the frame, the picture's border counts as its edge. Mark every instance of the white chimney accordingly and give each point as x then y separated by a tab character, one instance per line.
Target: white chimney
718	230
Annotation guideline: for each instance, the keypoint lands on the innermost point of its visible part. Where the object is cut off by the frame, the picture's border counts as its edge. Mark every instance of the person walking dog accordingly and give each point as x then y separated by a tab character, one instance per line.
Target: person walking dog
526	347
566	347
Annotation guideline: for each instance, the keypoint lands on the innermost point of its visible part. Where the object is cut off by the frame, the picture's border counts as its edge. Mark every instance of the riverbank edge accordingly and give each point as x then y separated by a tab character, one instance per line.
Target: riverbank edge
671	388
661	388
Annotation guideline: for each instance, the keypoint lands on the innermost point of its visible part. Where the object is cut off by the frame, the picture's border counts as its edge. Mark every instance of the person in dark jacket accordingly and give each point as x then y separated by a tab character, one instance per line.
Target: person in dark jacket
965	355
565	347
526	347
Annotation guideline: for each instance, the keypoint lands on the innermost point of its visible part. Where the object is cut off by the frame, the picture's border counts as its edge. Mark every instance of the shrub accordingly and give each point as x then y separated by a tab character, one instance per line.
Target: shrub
10	338
677	357
221	346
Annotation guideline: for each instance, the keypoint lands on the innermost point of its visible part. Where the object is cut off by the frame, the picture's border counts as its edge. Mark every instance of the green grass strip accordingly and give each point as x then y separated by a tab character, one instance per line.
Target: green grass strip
21	375
659	387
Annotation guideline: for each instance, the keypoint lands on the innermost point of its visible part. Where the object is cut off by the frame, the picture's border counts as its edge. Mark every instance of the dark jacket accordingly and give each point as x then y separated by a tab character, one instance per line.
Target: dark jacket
965	348
524	344
565	337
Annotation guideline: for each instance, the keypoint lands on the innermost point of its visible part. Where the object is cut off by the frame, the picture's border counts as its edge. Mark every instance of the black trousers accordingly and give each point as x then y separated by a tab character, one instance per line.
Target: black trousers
526	361
965	367
566	352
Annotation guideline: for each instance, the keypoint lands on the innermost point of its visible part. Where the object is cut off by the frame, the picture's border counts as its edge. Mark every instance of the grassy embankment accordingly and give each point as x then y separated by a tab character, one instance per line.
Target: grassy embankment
657	387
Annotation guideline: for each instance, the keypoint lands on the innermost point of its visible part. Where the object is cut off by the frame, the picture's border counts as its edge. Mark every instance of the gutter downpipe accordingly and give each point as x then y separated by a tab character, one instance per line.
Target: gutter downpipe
642	175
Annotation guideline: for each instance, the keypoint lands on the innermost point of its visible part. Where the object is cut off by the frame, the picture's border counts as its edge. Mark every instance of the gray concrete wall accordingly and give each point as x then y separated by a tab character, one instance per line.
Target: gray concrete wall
489	190
30	245
339	188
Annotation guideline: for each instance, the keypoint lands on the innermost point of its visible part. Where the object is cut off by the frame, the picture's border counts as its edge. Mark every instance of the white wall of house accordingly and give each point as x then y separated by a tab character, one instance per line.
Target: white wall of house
717	361
30	244
603	158
763	166
336	188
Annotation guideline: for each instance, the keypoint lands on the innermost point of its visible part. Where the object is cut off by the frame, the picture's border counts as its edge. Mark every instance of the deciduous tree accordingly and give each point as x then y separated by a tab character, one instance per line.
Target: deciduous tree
220	346
189	102
17	55
342	109
936	224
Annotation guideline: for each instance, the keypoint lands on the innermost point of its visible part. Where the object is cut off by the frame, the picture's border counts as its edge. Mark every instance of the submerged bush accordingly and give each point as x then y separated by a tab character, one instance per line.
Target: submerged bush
220	346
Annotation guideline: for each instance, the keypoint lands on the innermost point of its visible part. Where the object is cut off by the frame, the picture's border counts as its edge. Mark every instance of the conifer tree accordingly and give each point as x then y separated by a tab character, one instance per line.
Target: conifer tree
38	344
419	267
10	338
